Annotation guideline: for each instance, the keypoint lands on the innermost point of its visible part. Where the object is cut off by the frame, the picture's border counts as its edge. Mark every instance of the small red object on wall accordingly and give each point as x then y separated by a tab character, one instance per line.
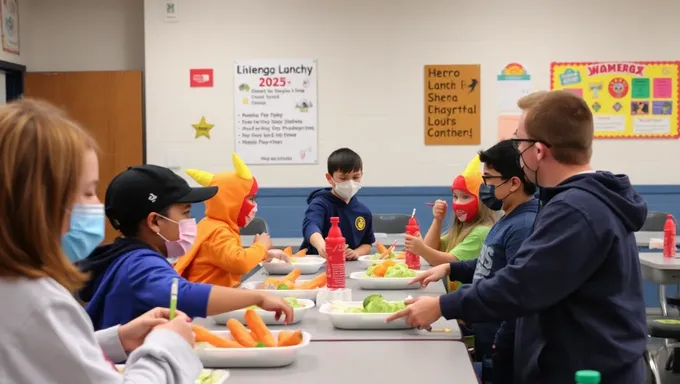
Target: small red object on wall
200	78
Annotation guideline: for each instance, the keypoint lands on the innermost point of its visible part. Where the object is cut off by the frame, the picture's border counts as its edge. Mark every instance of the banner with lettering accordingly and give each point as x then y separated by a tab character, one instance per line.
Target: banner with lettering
452	104
636	99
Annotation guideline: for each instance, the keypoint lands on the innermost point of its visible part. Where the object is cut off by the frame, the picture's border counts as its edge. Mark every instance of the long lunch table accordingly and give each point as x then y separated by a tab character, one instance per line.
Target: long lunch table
321	329
340	362
294	242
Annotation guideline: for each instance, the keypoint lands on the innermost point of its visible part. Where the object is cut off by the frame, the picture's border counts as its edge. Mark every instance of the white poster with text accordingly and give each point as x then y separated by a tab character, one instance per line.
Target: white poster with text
275	106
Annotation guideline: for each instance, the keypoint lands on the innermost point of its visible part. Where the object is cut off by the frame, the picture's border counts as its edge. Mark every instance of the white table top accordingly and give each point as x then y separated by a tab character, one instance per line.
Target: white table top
320	327
342	362
642	238
657	261
283	242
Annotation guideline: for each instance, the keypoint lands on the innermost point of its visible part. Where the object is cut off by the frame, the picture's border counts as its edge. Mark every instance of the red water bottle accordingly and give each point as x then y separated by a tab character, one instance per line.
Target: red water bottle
335	256
669	237
413	229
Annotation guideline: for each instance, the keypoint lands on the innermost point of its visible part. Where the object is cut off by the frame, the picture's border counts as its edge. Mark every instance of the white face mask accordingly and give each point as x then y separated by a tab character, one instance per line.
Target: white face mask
347	189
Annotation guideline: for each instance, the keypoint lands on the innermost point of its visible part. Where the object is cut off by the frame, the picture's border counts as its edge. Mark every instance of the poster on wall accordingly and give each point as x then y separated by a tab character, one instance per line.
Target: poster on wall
275	105
637	99
513	83
452	104
9	13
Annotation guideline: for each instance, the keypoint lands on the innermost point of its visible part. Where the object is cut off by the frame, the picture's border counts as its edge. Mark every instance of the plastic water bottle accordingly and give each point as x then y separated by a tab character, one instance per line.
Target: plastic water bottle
588	377
335	256
412	228
669	237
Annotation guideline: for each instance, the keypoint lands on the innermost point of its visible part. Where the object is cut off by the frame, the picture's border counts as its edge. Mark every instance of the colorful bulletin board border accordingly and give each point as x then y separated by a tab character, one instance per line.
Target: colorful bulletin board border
629	100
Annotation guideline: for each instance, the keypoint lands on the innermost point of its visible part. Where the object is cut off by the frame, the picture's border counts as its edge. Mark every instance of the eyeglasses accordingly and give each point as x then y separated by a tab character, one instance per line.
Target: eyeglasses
516	142
490	177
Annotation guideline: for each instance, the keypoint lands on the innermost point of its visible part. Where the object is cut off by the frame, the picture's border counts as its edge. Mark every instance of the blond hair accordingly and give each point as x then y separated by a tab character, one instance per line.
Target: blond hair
459	230
42	159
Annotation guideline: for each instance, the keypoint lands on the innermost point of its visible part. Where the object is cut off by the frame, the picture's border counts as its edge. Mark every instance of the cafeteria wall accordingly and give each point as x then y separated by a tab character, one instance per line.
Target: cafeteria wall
370	56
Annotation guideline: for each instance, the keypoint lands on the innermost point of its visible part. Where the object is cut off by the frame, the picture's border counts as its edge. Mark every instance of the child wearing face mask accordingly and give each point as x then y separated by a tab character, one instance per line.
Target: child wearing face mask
345	170
218	257
471	222
151	207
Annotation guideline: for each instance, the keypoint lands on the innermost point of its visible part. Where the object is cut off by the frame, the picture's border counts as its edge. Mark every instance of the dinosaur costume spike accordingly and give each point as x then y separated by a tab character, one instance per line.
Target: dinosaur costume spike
472	168
202	177
240	167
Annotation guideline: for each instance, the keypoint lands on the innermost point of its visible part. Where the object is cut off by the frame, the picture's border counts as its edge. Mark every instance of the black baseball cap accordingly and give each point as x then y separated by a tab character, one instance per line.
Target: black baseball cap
144	189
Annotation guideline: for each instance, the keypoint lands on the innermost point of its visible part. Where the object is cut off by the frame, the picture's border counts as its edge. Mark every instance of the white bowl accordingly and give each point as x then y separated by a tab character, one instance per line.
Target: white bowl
250	357
307	265
366	282
267	316
309	294
343	320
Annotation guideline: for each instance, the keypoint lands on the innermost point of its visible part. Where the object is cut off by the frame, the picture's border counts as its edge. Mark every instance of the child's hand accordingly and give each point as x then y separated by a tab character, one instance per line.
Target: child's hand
265	240
276	254
433	274
439	210
414	244
278	305
350	254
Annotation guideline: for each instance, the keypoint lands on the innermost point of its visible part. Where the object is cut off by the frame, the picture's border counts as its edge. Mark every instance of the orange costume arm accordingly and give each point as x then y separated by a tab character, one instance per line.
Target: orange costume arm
224	251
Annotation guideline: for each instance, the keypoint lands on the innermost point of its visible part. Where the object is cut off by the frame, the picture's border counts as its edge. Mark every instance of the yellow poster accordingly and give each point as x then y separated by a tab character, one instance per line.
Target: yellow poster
636	99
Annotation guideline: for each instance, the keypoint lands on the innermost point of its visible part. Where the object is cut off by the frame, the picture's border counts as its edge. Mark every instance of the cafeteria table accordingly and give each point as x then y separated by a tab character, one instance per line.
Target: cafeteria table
321	329
660	270
642	238
340	362
294	242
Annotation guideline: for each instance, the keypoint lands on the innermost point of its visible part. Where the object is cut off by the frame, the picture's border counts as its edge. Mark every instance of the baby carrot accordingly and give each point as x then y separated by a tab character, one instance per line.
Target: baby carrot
289	340
317	282
293	275
241	334
203	335
381	248
288	251
259	329
301	253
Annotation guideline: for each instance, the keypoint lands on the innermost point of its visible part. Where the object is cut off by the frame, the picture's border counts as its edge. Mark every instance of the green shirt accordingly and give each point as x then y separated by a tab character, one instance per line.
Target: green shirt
471	245
468	249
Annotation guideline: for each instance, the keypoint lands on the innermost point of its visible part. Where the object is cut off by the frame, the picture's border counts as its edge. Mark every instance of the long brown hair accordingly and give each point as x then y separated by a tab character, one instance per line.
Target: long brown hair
41	163
459	230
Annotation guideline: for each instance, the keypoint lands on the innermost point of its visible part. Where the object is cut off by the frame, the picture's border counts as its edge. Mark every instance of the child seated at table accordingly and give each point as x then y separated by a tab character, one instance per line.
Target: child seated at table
218	257
471	223
345	170
151	207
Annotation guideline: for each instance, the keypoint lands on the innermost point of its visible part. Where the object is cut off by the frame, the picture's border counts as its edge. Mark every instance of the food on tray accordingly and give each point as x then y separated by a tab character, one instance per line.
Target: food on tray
301	253
259	336
288	282
377	304
292	301
385	253
389	268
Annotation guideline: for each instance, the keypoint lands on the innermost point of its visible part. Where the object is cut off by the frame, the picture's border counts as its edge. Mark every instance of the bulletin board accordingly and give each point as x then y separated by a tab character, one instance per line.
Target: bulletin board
636	99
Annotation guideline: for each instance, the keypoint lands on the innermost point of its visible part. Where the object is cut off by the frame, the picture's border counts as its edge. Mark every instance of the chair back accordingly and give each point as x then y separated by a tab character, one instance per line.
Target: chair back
390	223
256	227
655	222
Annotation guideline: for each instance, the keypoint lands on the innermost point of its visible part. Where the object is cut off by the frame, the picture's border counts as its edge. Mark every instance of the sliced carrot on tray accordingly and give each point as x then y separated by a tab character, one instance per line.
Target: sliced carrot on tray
317	282
381	248
288	251
301	253
241	334
290	338
293	275
203	335
259	329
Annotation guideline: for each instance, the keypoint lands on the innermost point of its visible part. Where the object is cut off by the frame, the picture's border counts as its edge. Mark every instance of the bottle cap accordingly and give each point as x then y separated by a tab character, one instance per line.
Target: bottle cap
588	377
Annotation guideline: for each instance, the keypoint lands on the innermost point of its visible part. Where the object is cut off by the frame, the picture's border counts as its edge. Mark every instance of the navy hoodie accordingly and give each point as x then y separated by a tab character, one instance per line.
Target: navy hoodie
574	285
356	220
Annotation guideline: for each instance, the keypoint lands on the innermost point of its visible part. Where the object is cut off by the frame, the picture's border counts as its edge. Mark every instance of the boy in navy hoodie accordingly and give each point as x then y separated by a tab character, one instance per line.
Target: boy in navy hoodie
345	170
575	284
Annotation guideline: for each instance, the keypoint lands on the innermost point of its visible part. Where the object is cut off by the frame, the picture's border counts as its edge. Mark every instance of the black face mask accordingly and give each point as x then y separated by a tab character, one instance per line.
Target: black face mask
487	193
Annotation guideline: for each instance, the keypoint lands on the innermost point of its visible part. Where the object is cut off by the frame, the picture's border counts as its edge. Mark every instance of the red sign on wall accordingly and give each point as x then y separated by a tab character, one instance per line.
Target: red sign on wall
200	78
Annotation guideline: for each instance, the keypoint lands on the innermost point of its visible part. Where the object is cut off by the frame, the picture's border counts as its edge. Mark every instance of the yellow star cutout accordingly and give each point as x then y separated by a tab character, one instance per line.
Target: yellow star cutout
202	128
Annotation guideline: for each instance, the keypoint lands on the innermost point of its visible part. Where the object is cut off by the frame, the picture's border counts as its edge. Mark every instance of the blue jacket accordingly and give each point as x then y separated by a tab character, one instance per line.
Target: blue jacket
356	220
500	246
575	285
128	281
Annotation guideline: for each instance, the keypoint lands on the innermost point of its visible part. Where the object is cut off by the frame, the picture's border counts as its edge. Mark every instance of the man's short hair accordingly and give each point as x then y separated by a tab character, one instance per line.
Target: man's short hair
502	158
563	121
530	100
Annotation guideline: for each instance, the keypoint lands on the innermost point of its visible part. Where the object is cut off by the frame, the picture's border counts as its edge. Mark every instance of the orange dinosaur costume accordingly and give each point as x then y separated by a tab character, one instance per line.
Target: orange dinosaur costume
217	256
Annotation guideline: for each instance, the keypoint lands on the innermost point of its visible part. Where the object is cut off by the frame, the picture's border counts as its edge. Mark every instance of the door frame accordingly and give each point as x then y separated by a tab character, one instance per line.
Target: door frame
14	79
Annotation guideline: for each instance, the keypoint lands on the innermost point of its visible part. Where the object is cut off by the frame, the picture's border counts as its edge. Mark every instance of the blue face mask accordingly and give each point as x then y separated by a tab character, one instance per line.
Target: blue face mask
487	193
86	231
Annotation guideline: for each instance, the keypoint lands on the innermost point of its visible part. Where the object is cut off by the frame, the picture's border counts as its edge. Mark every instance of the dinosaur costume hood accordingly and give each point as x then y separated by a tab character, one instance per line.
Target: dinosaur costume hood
471	179
217	256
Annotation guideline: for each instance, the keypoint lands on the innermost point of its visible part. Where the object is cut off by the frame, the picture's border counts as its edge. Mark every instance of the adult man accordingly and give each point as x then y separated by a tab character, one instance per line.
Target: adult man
575	283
